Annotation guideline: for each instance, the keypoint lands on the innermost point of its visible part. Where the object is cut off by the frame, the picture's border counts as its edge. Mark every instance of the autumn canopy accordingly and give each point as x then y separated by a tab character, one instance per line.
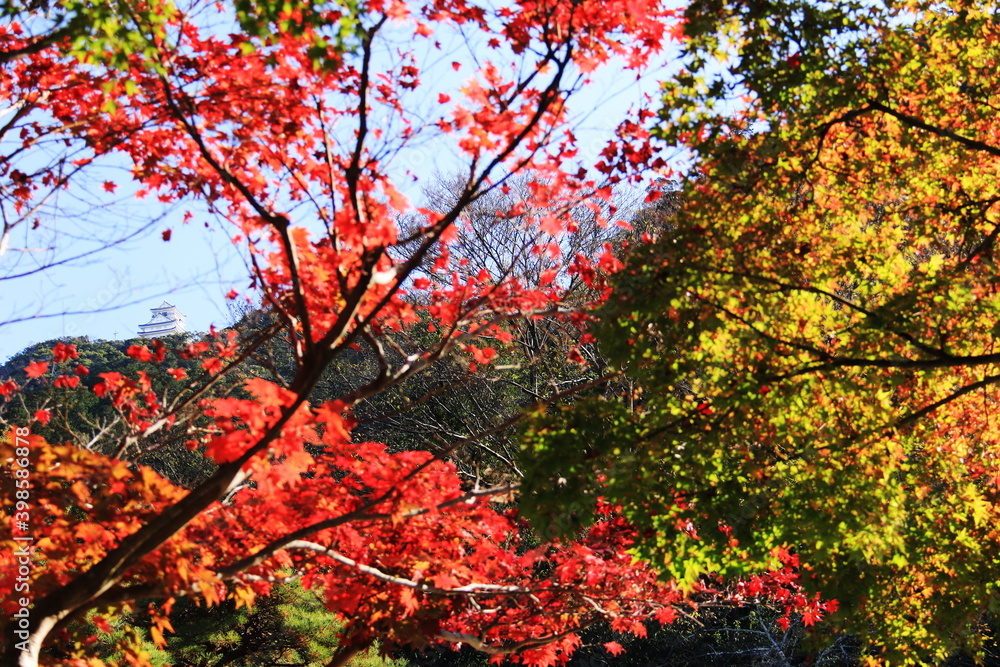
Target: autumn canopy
781	393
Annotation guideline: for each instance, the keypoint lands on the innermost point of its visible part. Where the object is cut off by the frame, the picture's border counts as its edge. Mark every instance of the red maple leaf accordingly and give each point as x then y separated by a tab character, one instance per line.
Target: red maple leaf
614	648
67	381
63	352
139	352
37	369
213	365
551	224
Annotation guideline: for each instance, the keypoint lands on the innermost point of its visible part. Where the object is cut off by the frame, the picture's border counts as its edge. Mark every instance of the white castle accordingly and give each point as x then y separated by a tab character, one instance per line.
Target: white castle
166	320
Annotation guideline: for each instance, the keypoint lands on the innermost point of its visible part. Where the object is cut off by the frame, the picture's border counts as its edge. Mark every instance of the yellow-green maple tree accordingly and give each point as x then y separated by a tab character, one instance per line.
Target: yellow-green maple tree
815	333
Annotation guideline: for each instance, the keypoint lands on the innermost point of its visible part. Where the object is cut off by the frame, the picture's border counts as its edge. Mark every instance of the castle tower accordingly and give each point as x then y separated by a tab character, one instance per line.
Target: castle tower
166	320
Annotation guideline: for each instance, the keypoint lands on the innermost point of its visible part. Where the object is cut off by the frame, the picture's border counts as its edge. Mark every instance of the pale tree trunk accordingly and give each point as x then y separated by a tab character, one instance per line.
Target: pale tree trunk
29	658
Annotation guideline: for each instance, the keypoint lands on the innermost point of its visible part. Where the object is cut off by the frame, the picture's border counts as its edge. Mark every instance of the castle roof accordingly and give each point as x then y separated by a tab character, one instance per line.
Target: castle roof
166	320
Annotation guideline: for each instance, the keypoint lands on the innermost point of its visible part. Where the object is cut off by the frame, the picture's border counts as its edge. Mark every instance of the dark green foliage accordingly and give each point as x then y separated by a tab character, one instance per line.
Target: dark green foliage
288	627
